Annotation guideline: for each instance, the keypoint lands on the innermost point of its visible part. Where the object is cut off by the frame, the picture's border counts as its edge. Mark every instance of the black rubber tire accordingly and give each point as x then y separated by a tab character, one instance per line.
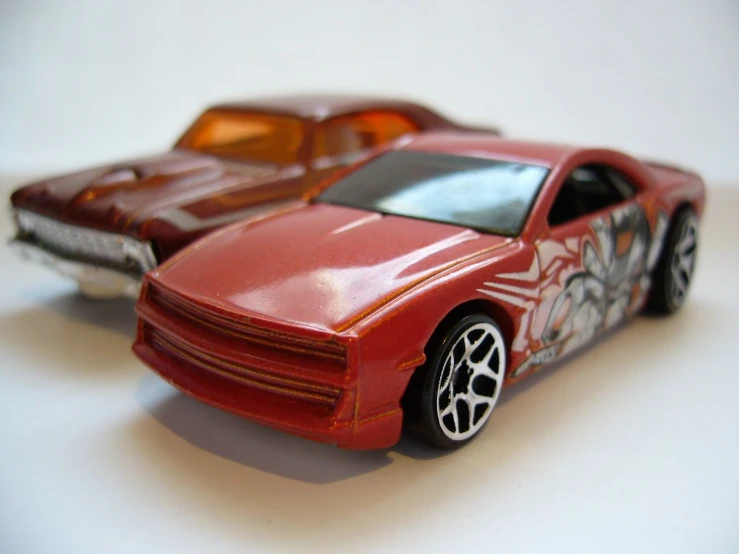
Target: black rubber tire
660	301
419	402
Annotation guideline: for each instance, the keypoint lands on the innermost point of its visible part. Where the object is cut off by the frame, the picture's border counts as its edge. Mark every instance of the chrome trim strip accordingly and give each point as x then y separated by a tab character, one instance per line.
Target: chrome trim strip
75	241
94	281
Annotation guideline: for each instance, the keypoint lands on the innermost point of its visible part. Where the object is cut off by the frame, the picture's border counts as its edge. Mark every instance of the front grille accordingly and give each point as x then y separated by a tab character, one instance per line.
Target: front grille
260	342
264	381
99	247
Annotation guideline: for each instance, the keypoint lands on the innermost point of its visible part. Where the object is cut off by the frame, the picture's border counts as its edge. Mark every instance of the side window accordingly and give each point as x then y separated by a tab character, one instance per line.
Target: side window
588	189
344	139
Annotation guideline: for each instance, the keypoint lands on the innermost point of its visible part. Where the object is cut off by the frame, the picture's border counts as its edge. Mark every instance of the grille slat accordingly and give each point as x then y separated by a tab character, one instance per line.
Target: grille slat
100	247
249	377
257	340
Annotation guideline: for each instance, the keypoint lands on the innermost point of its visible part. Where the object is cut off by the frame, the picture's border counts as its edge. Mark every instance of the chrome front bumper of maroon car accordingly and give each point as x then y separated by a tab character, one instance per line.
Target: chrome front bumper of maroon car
103	264
93	281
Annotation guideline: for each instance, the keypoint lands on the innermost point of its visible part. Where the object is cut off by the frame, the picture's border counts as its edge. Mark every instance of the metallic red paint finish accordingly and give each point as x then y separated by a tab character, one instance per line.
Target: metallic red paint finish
371	287
134	197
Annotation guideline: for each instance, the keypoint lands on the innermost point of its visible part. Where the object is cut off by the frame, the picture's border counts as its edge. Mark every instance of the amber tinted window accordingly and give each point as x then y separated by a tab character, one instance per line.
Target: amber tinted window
354	133
252	136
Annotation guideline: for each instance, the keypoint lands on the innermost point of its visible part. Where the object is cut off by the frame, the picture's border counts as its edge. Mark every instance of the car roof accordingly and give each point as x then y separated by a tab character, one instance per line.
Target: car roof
490	146
321	106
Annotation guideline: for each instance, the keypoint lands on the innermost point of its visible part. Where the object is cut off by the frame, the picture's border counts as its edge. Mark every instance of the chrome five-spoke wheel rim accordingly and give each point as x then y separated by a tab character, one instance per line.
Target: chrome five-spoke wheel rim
470	381
683	261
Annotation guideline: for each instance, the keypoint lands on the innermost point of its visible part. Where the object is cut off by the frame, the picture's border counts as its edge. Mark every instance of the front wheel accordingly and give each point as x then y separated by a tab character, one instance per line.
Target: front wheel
457	388
674	272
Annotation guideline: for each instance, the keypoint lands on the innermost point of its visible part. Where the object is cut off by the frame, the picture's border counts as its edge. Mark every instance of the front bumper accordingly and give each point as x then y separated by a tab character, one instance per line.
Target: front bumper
321	405
95	281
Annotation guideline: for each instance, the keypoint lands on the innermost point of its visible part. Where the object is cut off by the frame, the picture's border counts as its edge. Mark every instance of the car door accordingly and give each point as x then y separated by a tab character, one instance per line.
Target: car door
343	140
593	259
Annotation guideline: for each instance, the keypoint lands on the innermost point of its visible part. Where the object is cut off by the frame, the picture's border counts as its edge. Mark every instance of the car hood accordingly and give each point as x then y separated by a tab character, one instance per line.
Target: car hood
321	266
121	196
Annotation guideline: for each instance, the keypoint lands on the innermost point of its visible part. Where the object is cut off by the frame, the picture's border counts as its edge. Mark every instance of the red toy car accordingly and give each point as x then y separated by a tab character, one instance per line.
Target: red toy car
107	226
415	287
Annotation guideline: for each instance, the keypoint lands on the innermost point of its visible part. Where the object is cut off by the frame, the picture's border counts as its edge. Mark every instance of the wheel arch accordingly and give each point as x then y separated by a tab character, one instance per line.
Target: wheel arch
657	301
412	401
683	205
475	306
679	207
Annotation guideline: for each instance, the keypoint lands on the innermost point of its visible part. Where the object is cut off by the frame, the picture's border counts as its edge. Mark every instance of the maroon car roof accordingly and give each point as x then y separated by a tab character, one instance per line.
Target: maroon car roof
487	145
322	106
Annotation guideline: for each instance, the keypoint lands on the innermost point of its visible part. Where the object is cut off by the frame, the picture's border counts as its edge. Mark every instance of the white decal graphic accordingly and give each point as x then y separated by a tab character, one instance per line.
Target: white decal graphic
578	286
572	243
530	276
550	250
521	295
611	282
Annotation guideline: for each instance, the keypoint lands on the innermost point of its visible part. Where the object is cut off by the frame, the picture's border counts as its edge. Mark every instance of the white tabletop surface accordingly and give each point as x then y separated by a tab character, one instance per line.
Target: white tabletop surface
632	446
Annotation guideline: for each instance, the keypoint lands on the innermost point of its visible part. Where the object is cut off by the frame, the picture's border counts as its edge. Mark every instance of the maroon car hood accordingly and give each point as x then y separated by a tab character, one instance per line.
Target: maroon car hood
321	266
120	197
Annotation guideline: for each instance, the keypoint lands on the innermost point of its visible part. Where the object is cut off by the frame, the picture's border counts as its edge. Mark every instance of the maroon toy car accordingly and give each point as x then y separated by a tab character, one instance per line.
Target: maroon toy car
417	286
107	226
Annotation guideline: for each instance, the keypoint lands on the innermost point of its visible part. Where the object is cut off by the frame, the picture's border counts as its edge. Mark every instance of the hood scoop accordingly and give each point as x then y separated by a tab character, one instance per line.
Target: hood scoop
120	176
123	196
115	180
135	177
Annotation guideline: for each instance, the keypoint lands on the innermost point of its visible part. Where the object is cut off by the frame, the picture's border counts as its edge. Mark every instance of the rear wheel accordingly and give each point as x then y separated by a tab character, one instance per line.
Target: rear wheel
674	272
458	387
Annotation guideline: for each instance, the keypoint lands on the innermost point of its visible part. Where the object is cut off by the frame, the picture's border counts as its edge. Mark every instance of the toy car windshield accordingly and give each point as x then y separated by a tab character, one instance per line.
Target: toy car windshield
480	193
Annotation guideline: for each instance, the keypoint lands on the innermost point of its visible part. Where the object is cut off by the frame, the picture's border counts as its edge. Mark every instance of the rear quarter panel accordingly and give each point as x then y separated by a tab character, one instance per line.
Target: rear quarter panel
675	186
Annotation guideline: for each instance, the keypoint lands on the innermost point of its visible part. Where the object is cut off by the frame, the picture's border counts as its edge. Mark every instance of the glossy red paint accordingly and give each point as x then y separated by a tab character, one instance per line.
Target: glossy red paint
333	263
312	320
171	199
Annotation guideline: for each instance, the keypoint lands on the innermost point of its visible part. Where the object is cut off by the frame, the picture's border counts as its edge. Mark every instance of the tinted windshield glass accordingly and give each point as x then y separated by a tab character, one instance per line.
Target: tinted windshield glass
252	136
489	195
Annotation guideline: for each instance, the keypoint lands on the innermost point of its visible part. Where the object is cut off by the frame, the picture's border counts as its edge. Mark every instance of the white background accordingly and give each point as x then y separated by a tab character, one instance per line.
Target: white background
632	446
87	81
